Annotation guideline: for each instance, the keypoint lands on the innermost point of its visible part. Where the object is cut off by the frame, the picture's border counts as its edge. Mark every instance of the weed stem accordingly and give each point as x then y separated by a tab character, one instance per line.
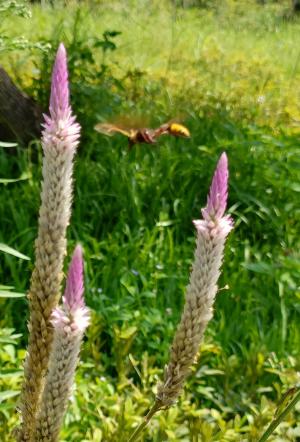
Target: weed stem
135	435
275	422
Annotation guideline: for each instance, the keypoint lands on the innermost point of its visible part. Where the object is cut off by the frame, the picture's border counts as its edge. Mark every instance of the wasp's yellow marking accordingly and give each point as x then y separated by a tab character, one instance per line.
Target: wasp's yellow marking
178	130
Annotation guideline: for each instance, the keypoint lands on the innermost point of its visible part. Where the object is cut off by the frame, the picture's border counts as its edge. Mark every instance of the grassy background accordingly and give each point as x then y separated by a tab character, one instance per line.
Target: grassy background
232	71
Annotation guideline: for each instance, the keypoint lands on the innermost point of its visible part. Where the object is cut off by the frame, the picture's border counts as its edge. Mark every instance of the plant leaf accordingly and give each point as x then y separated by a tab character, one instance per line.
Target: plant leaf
24	176
7	394
8	294
3	144
6	249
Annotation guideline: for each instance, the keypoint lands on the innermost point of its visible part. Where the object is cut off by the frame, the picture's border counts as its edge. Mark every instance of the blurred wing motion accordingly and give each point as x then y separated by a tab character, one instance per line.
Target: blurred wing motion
144	135
111	129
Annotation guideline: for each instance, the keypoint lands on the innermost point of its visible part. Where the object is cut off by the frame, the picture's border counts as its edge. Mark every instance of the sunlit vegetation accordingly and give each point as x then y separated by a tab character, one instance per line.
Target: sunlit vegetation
231	73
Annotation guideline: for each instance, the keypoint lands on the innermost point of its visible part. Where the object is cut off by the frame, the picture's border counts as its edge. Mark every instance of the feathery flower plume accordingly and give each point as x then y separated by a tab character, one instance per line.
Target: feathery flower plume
202	289
212	231
69	322
59	141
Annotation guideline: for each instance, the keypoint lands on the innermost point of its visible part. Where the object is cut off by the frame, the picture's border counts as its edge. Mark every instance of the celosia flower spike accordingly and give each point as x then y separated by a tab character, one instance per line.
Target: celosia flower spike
59	141
69	322
60	129
212	231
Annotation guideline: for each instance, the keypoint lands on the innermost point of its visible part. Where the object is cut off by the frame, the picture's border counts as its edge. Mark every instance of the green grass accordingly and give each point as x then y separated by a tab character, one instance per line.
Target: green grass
234	76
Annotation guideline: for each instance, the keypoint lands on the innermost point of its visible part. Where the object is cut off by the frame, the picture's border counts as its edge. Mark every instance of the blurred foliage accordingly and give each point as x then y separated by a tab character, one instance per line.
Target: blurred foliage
9	9
231	70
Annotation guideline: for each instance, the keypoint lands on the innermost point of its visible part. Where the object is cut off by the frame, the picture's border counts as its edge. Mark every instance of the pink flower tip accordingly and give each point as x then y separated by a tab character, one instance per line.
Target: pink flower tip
218	193
78	323
73	296
59	98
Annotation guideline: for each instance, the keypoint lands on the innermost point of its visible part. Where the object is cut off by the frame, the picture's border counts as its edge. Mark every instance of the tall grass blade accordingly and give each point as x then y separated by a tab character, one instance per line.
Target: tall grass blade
6	249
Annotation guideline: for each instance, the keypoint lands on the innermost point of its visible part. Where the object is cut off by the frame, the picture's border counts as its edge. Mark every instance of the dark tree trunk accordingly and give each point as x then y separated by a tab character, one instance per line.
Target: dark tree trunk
296	6
20	115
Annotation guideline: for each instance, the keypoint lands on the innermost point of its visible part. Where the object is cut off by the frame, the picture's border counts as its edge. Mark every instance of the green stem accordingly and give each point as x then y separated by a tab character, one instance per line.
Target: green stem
135	435
274	424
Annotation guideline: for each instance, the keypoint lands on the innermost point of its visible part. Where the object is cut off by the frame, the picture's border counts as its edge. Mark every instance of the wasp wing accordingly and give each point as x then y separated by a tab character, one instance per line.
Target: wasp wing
110	129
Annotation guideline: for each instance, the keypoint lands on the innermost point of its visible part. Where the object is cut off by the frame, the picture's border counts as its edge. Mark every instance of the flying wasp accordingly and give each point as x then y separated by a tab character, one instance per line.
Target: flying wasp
144	135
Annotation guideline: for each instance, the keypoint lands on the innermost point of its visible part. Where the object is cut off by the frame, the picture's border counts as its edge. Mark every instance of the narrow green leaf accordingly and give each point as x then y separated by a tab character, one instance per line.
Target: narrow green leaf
3	144
166	223
259	267
7	394
23	177
6	249
8	340
295	187
8	294
11	374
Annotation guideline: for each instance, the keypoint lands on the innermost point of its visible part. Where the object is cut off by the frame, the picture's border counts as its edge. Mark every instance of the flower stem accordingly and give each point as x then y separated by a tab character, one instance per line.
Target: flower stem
274	424
135	435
